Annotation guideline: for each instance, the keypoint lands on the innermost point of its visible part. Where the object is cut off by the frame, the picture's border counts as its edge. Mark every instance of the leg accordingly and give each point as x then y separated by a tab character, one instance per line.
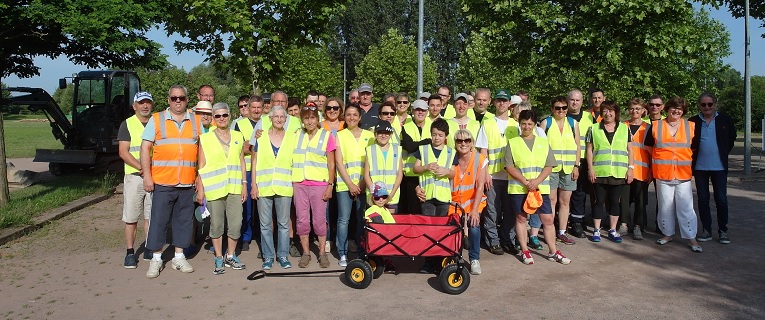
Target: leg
520	230
506	230
720	185
548	226
343	216
265	208
599	210
217	224
665	196
686	216
247	212
428	209
702	192
579	196
564	206
234	216
162	206
490	219
302	215
613	198
282	205
318	218
183	218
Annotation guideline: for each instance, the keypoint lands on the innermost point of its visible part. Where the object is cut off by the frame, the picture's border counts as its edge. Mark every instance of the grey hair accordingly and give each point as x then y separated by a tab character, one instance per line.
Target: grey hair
286	97
708	94
276	108
568	96
525	105
178	86
483	90
221	106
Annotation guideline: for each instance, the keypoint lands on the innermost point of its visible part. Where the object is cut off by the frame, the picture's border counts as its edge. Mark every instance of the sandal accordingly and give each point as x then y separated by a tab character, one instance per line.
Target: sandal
696	249
663	241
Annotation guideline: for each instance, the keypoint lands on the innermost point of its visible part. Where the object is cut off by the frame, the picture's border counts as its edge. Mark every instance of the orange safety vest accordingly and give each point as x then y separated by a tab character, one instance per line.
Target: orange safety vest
640	155
174	160
672	155
463	187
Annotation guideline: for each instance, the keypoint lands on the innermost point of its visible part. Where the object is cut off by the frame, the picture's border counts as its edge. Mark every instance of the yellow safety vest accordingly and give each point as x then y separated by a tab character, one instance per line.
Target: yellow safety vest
354	155
273	173
411	129
291	126
584	125
309	161
473	126
563	145
384	168
395	138
438	188
487	115
530	164
221	175
610	159
496	146
449	111
245	127
135	128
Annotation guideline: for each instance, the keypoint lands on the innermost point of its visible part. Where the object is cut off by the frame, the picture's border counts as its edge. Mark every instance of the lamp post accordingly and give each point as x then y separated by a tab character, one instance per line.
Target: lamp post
421	20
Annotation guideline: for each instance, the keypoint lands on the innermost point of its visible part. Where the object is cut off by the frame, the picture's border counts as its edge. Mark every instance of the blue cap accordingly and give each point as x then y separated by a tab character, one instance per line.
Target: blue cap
379	190
142	95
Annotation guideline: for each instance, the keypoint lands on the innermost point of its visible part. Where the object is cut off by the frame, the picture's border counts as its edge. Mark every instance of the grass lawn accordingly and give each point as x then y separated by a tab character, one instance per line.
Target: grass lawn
22	138
28	202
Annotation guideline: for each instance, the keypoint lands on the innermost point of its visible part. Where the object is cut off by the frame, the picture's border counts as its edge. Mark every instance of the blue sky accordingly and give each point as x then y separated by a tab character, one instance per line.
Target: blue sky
52	70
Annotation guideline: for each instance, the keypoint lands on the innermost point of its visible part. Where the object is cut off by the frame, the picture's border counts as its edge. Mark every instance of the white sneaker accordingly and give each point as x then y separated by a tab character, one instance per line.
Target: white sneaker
154	268
183	265
475	267
343	261
327	246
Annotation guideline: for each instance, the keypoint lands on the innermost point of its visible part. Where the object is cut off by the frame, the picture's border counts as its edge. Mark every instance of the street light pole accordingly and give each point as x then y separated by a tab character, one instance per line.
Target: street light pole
747	96
419	45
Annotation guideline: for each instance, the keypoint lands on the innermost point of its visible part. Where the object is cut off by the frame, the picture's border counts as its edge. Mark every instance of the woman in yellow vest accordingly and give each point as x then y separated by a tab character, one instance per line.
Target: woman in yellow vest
529	161
272	173
434	164
610	161
383	163
313	176
350	157
414	133
224	185
637	192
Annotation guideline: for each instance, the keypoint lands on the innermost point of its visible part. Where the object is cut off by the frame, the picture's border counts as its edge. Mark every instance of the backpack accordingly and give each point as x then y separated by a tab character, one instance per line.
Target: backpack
550	120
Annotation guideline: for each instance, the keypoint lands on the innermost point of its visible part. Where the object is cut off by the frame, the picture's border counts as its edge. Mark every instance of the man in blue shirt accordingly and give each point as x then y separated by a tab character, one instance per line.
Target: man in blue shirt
713	140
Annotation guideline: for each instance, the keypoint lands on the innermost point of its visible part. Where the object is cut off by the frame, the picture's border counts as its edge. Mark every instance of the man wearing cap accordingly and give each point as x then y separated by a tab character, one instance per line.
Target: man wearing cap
461	120
203	110
206	93
435	105
168	156
414	133
492	141
247	128
424	96
447	111
369	111
137	200
266	103
482	101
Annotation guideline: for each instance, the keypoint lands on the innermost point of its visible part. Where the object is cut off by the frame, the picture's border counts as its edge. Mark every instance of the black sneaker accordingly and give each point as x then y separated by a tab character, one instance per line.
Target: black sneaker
496	249
428	266
578	231
147	255
130	262
511	249
245	246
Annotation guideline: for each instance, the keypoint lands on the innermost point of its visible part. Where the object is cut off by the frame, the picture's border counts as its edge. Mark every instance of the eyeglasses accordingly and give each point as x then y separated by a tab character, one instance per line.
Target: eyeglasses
309	108
242	106
706	105
335	108
655	104
387	113
443	95
635	109
381	197
459	141
561	108
176	99
675	110
402	102
218	116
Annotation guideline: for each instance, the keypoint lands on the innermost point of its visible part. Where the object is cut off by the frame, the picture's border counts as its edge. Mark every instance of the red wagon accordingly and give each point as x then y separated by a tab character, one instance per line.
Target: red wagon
413	236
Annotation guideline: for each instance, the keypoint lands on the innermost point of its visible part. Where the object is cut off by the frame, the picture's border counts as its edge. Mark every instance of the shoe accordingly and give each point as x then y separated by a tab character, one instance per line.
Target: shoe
535	244
637	234
219	269
284	263
663	241
475	267
527	259
696	249
496	249
510	249
343	262
724	237
182	264
578	231
304	261
260	255
268	263
390	268
559	258
245	245
323	261
147	255
154	268
623	230
294	252
130	262
596	235
327	246
706	236
614	236
234	263
565	239
427	267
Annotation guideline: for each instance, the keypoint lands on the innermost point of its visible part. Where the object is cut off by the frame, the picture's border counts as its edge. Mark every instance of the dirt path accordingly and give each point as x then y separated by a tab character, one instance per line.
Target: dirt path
73	269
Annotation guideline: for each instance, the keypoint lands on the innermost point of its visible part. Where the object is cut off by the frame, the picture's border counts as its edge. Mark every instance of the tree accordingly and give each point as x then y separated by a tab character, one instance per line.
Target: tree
309	69
626	48
731	102
391	66
736	8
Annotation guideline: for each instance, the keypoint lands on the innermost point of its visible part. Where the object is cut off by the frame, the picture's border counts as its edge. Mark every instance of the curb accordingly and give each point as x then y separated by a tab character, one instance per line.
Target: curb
51	215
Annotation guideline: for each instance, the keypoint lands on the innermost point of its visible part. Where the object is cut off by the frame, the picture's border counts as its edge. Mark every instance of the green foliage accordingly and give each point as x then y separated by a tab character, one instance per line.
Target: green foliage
310	68
736	8
731	102
391	66
477	68
64	99
158	82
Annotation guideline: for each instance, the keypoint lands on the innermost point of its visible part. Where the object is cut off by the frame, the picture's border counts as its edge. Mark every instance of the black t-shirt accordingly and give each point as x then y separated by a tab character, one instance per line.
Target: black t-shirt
577	117
123	134
479	116
370	118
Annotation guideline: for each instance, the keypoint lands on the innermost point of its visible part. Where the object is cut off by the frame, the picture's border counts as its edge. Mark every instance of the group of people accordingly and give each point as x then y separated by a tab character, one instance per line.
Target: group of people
327	167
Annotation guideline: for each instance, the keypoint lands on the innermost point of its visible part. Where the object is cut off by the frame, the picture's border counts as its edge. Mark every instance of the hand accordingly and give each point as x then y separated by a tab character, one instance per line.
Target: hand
489	183
254	192
148	184
432	167
420	193
258	134
200	197
575	174
327	193
532	185
474	219
592	176
441	171
353	189
244	193
630	176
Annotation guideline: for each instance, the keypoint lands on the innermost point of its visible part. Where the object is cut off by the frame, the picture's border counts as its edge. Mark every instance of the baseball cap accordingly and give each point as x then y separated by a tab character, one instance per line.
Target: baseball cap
383	126
204	107
379	190
364	87
424	96
266	97
419	104
533	202
462	95
502	94
515	100
142	95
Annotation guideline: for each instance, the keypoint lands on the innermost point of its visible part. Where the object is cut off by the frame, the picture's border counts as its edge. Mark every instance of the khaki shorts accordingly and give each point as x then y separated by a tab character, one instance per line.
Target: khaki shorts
136	199
561	180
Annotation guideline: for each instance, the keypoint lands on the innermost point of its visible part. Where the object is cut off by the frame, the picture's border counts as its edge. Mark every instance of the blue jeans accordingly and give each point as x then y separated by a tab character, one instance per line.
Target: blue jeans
247	213
345	207
720	185
535	221
499	223
474	242
265	213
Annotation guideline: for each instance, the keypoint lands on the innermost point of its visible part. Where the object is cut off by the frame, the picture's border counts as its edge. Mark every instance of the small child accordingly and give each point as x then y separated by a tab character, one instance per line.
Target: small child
378	213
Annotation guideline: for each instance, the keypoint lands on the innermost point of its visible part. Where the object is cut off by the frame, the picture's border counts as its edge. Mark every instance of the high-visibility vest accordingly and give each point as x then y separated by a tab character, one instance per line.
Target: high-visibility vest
395	138
290	126
640	156
463	185
563	145
671	158
354	155
473	126
384	168
487	115
309	161
273	173
174	158
610	159
530	164
437	188
449	111
584	125
414	133
592	114
135	128
221	175
496	145
246	128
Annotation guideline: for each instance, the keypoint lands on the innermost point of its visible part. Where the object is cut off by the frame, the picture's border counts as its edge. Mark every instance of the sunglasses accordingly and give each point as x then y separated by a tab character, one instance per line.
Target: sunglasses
655	104
402	102
387	113
176	99
309	108
242	106
561	108
381	197
459	141
218	116
635	109
706	105
335	108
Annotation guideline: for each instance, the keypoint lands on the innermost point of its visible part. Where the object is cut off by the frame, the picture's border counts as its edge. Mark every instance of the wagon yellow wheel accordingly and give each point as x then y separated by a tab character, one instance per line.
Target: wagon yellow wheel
447	261
358	274
454	279
378	266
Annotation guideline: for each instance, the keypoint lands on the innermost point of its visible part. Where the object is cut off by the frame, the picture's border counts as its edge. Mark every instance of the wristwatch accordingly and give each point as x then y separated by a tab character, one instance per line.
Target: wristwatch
631	166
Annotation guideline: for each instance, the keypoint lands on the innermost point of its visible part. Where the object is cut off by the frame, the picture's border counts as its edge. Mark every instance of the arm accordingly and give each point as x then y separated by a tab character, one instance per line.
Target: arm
631	164
367	177
577	136
419	168
474	219
198	181
534	183
253	175
353	189
589	162
244	176
148	182
331	167
124	150
488	183
399	177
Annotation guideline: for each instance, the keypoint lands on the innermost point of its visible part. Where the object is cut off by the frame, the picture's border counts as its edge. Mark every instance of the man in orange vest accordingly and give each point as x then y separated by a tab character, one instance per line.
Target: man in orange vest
169	162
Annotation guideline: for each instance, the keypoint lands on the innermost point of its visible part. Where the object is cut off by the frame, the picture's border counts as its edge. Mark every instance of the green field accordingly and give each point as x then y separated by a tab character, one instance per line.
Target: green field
22	138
